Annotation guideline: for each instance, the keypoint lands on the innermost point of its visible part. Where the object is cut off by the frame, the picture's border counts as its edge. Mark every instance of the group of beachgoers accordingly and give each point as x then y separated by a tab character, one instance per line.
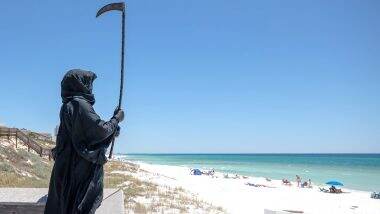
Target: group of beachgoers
211	172
305	184
298	180
285	181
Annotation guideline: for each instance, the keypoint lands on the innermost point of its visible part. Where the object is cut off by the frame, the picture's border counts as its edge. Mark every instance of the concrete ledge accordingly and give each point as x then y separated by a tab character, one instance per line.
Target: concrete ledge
21	207
28	200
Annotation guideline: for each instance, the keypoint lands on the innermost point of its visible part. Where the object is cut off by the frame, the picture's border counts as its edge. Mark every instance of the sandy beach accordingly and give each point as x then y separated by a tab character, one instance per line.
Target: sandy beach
234	196
153	188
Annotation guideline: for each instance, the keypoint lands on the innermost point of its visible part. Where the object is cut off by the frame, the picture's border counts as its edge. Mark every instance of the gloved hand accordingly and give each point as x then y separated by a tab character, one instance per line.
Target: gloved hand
117	132
118	114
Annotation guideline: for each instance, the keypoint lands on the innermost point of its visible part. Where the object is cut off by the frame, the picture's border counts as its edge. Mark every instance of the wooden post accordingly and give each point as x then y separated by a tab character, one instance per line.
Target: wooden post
16	137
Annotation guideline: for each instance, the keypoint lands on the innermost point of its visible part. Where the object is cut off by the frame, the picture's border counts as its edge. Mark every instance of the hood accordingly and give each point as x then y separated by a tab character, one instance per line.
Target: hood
78	83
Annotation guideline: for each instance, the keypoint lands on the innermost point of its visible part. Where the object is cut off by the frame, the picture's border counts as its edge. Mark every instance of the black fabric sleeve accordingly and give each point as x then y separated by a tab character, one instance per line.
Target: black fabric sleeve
95	129
89	134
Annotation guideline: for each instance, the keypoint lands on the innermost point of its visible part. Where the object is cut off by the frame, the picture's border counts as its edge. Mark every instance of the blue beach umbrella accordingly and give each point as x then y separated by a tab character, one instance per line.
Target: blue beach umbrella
334	183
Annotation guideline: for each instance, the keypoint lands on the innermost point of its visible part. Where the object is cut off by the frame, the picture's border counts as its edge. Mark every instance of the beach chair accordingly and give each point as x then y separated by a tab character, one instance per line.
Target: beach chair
252	184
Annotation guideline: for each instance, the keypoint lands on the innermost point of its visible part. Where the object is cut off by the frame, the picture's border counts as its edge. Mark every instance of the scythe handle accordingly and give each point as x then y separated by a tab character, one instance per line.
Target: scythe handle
121	74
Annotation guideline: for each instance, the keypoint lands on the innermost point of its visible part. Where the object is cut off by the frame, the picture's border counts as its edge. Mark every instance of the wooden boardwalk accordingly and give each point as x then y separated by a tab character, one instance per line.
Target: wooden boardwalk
21	136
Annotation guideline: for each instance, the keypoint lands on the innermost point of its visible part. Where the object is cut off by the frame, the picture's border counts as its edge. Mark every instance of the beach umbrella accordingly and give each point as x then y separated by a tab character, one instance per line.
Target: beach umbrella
334	183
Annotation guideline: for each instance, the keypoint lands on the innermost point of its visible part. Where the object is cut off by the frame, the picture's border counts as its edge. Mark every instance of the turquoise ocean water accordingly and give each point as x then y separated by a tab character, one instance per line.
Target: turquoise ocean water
356	171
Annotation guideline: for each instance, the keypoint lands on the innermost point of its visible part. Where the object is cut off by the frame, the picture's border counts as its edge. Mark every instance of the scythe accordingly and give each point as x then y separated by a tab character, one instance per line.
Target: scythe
120	7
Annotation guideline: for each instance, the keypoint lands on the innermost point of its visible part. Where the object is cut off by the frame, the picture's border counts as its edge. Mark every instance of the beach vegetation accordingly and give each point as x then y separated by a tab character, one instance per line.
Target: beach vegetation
22	168
146	197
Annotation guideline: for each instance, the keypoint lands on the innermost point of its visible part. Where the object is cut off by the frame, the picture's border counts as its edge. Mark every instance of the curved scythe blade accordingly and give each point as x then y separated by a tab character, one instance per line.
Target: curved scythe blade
113	6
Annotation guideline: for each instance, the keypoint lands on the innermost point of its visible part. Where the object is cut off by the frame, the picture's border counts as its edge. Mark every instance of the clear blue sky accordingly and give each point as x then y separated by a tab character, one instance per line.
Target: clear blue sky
204	76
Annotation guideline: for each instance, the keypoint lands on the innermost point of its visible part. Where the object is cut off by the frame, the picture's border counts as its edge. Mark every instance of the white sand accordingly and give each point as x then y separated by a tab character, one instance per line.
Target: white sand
236	197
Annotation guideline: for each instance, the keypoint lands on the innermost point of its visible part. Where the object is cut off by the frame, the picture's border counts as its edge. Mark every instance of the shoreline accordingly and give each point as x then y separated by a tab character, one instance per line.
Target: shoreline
235	196
315	185
358	172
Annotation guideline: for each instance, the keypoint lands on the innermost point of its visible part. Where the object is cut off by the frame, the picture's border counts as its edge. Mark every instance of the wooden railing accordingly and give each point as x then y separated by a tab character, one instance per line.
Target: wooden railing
41	137
27	140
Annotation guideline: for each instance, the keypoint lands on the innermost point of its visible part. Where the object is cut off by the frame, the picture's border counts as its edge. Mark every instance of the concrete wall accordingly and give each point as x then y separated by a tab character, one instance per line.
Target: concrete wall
32	201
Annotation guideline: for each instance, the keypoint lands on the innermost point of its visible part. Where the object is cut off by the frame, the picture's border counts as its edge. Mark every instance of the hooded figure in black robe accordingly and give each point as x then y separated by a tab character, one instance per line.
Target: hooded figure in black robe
76	184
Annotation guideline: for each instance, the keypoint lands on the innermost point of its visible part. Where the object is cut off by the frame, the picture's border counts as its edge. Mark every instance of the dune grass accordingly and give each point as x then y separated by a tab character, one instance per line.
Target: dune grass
20	168
147	197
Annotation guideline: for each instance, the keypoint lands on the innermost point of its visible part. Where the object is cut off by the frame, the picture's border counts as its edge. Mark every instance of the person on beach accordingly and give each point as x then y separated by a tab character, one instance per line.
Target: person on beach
298	180
309	184
76	184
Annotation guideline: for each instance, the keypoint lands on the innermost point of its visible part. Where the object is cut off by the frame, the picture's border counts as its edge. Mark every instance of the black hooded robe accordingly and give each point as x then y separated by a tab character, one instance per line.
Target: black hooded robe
76	184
